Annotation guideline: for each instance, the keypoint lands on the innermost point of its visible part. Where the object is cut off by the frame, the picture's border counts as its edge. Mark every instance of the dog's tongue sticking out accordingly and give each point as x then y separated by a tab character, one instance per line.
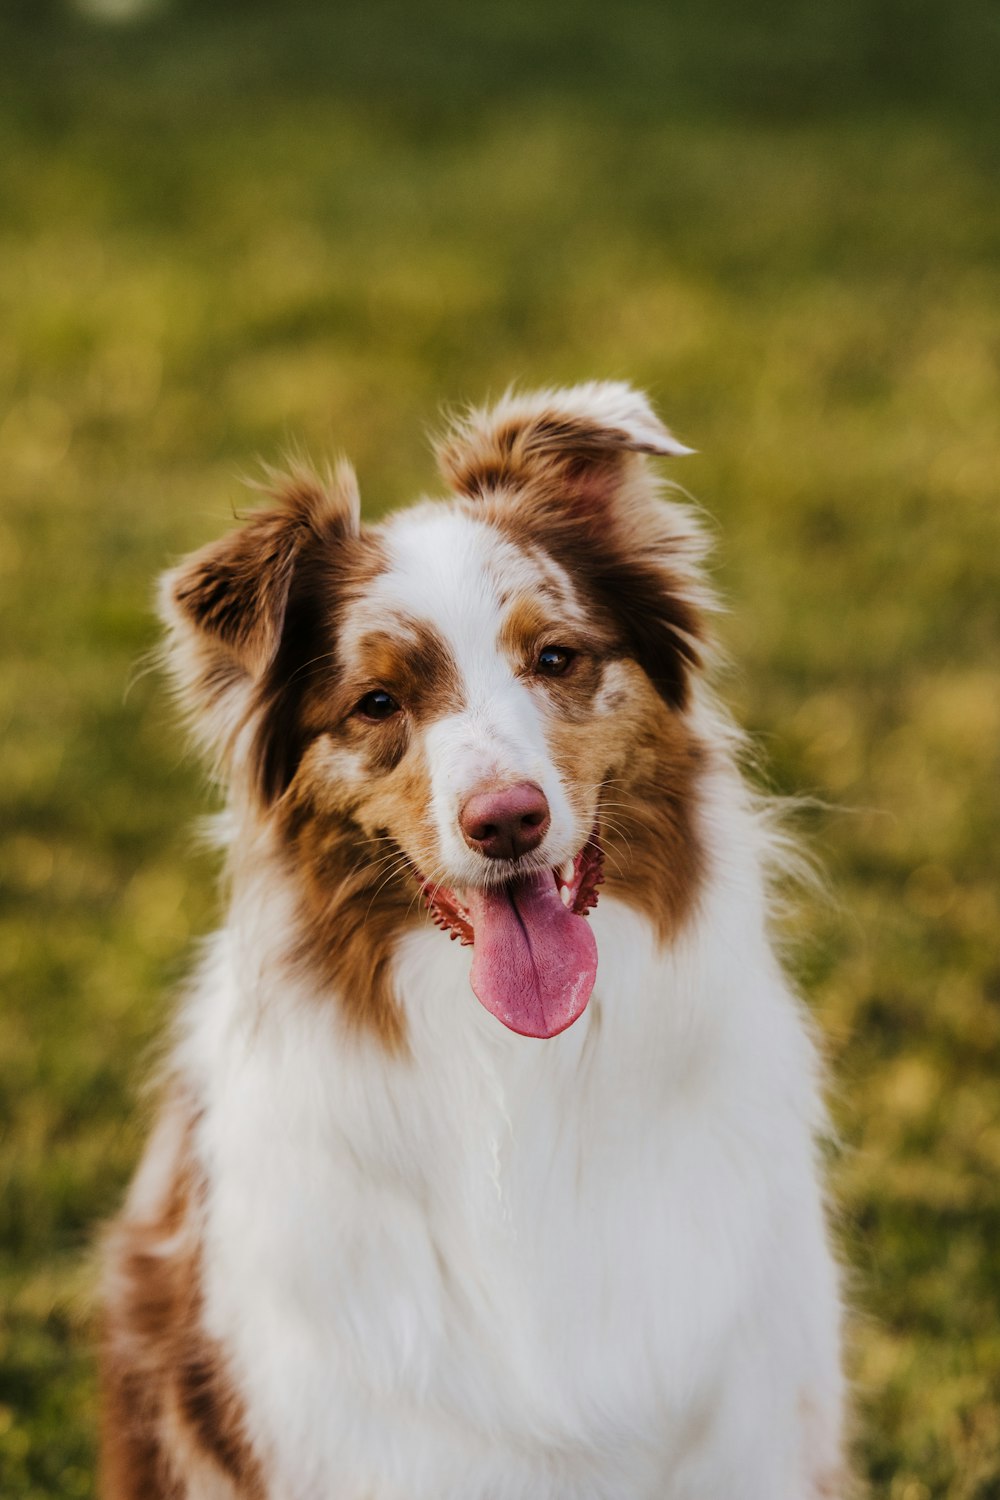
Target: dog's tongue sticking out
534	962
535	957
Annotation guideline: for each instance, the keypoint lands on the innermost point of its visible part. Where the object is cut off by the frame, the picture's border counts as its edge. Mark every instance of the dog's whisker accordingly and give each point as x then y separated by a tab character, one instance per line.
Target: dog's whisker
314	661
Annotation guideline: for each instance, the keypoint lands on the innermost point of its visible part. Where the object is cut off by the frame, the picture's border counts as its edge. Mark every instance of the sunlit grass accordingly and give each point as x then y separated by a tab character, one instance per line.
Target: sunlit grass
212	250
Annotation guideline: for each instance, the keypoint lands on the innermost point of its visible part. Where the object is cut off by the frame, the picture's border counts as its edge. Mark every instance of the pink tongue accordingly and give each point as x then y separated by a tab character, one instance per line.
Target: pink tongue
534	962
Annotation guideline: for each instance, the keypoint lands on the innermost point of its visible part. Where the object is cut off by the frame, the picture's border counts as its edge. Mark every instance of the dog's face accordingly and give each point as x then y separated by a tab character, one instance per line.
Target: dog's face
479	700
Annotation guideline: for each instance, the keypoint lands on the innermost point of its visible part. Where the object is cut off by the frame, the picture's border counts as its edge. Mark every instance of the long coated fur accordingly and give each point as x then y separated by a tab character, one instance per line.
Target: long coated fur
382	1246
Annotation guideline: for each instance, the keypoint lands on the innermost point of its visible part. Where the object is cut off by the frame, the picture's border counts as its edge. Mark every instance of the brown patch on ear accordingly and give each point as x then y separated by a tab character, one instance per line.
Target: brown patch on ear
226	606
235	591
173	1423
294	695
563	470
661	627
550	436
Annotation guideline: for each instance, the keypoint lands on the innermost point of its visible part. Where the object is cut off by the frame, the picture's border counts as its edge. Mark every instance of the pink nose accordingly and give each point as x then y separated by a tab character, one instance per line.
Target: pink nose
506	822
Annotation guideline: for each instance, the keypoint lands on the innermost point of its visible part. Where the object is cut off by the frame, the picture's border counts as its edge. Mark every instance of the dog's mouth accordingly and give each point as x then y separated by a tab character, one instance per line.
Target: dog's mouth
535	957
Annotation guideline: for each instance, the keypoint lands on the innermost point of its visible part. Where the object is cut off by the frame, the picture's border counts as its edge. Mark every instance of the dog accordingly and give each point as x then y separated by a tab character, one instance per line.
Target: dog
486	1166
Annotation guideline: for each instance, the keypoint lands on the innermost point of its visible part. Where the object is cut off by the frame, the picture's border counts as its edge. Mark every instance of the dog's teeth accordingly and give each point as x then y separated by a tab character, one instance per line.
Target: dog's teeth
566	872
565	895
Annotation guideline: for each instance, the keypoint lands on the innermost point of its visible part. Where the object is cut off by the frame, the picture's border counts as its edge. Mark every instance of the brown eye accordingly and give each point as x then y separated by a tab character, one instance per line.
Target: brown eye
554	661
377	705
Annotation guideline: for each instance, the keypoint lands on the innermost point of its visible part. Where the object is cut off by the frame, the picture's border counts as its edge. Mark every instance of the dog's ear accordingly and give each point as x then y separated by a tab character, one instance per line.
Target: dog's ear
532	441
225	606
566	470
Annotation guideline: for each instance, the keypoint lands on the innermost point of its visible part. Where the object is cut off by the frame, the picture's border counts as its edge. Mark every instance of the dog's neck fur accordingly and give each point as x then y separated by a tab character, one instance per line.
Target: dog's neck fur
482	1186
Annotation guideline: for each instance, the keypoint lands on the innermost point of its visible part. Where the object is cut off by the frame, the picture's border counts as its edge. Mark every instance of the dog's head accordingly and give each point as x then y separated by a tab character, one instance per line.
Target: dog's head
482	699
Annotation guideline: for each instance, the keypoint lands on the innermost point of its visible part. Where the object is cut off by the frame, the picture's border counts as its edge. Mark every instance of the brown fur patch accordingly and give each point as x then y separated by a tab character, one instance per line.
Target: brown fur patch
635	586
266	609
411	661
641	764
620	749
357	891
557	479
227	607
255	619
300	694
524	438
529	626
343	836
654	855
170	1410
531	621
356	899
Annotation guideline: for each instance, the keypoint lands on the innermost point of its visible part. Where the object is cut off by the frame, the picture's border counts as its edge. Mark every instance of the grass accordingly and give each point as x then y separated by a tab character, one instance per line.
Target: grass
225	230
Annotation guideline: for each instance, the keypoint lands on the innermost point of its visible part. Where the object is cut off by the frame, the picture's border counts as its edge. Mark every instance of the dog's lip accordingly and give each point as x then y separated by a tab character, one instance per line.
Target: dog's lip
577	878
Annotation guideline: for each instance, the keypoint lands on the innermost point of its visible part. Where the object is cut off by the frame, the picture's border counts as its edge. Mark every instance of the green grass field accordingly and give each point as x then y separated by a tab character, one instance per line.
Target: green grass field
225	229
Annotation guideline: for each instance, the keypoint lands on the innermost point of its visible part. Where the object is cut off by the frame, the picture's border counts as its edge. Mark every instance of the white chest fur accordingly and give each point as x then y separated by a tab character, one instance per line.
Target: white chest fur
499	1267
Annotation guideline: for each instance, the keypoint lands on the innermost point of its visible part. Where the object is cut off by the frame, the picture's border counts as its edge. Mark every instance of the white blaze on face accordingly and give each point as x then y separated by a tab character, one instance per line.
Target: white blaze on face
452	572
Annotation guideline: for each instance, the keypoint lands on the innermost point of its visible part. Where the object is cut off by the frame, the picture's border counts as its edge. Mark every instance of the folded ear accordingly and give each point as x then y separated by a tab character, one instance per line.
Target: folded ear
225	607
532	440
565	470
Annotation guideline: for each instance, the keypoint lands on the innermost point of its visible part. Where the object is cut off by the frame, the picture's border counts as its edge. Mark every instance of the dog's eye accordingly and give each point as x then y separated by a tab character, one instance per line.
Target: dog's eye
377	705
553	661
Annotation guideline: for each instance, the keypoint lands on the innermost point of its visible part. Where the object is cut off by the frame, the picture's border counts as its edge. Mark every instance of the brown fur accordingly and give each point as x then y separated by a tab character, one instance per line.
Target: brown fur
531	624
581	493
302	693
170	1409
227	606
519	443
404	657
356	897
646	812
345	846
641	759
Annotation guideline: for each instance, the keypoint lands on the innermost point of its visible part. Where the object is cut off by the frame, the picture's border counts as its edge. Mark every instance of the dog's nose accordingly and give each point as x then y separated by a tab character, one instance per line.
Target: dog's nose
506	822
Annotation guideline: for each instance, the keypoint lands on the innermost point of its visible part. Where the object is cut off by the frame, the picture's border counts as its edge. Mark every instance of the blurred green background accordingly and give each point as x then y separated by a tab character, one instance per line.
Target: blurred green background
225	228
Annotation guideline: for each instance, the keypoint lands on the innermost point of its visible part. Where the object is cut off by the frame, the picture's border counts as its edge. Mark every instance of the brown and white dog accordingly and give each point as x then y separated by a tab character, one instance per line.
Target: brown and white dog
389	1241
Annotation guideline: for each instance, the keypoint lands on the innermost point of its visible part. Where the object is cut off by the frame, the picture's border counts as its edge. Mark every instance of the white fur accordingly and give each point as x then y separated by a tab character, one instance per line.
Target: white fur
589	1266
